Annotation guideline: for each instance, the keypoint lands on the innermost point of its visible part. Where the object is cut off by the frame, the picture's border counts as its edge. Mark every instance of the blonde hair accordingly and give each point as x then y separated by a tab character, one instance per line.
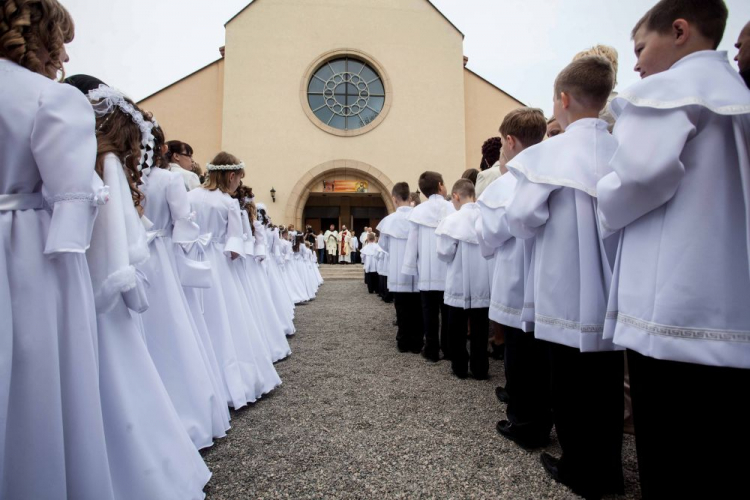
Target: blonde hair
219	179
605	51
28	26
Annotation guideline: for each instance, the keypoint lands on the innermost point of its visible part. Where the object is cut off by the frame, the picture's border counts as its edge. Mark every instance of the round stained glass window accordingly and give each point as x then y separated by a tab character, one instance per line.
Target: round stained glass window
346	93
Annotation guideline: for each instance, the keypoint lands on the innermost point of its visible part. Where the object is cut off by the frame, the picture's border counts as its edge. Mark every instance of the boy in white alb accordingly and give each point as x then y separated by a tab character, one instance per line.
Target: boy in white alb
467	283
420	259
555	203
394	231
529	412
680	192
370	260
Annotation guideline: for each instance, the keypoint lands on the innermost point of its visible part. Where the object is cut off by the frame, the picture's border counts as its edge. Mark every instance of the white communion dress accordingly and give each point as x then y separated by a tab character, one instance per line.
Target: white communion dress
282	301
258	296
172	336
243	357
291	276
151	456
52	442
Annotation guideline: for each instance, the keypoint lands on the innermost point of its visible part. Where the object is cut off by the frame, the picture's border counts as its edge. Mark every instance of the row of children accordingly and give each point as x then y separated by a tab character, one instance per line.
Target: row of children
597	243
133	312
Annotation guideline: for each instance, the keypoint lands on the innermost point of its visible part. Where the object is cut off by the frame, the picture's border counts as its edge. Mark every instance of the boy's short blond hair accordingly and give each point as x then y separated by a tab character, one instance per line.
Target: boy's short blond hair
528	125
589	80
464	188
605	51
370	236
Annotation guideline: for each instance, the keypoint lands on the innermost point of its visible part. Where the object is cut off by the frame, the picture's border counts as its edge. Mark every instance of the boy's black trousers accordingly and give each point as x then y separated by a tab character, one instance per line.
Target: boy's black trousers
435	318
458	327
409	318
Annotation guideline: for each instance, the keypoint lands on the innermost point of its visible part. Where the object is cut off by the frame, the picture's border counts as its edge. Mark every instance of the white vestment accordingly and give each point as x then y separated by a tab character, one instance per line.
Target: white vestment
370	257
680	191
394	231
555	203
332	241
467	282
420	258
345	248
511	256
52	442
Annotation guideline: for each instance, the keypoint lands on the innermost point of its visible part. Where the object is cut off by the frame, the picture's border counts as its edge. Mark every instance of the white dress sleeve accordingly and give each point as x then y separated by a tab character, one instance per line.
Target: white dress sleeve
64	148
446	248
647	166
529	209
185	230
411	256
235	242
260	241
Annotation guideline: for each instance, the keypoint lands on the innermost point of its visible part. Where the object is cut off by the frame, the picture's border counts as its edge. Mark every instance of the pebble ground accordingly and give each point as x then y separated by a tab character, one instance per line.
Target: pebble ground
356	419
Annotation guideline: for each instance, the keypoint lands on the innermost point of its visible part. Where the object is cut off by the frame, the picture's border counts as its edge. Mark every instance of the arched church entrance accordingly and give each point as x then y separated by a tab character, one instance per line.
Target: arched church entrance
343	193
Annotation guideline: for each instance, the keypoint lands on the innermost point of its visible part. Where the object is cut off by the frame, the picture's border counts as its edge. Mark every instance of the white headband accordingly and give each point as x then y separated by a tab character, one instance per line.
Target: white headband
105	99
210	167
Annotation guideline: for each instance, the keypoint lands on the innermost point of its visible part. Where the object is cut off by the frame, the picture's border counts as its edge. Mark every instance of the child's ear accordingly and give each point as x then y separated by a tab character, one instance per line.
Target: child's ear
680	31
565	98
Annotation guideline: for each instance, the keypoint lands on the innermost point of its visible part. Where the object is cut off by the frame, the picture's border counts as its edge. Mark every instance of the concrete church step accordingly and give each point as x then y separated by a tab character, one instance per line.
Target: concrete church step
342	271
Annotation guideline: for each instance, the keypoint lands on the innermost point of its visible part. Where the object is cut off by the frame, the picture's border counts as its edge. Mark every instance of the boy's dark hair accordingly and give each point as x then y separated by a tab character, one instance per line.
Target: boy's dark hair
178	147
471	174
429	183
528	125
490	152
464	188
589	80
709	16
401	191
414	198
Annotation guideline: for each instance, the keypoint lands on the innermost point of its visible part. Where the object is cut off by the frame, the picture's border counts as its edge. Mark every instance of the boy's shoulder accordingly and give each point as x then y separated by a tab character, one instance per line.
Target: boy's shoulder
704	79
576	159
460	224
431	212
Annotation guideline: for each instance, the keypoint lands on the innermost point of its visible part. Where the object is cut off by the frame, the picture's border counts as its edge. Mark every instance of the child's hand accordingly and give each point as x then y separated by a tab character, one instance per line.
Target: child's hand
234	255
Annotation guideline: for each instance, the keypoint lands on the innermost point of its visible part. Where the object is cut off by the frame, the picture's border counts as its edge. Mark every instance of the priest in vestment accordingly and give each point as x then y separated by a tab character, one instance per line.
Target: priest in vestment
332	244
345	247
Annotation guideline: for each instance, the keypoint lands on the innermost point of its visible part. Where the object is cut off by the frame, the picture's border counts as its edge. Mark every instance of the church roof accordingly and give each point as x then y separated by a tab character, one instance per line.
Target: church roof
253	2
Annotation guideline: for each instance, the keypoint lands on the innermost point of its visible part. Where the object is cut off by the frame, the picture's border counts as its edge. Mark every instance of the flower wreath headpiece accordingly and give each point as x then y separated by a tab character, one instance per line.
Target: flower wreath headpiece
211	167
105	99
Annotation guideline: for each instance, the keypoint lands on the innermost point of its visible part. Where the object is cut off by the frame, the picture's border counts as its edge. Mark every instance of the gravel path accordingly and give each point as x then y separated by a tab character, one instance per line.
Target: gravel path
355	418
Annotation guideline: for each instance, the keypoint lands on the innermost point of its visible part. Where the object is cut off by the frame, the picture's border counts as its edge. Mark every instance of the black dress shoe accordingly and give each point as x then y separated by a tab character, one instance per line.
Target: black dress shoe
523	436
550	465
402	349
497	351
502	394
431	357
461	375
481	376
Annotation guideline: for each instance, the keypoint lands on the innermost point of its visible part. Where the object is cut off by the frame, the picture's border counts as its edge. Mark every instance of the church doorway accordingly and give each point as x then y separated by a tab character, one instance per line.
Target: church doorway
353	210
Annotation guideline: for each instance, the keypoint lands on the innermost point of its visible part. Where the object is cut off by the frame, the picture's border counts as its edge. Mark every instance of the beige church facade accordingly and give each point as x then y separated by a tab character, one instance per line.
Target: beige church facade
331	102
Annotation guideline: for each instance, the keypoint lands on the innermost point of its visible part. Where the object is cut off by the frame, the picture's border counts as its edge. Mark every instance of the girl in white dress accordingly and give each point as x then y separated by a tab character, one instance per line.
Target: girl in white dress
291	277
151	455
243	357
52	442
280	297
255	281
172	337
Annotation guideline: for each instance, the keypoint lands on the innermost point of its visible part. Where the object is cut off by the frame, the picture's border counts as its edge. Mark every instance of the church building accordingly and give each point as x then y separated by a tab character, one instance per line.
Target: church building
331	102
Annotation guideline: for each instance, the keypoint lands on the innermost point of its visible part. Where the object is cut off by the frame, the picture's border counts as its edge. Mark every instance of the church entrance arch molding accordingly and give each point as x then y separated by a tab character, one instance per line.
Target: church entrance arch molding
335	168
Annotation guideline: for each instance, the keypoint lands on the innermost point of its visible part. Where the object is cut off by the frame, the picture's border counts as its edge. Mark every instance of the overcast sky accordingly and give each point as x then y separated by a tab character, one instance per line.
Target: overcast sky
141	46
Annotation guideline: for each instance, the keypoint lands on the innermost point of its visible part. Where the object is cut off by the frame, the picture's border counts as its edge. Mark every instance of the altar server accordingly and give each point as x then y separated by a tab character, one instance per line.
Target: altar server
150	454
54	450
467	283
394	231
555	203
420	259
680	192
529	417
370	258
245	362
